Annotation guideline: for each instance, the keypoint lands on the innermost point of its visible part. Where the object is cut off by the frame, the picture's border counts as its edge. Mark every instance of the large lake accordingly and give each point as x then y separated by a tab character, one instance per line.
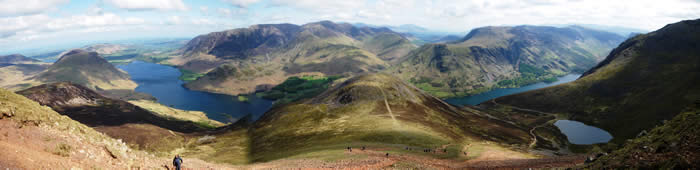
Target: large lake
482	97
582	134
162	82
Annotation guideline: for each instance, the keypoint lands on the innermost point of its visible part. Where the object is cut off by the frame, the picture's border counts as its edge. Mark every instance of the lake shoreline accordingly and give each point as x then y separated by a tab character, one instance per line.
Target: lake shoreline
495	93
163	83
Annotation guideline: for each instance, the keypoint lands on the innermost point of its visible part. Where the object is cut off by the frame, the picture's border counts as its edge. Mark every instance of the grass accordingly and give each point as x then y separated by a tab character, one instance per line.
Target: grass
661	148
297	88
30	112
242	98
299	129
309	129
529	75
200	118
230	148
63	149
206	124
188	75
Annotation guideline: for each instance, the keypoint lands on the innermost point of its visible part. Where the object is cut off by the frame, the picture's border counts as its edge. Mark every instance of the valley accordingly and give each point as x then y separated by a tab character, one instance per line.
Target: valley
326	93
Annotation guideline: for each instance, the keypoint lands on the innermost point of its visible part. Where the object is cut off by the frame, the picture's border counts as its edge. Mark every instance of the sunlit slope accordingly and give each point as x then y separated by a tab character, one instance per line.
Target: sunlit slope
646	80
375	110
35	133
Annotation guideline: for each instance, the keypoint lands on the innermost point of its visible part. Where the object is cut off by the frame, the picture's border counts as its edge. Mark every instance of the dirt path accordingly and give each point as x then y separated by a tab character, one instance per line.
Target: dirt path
488	160
386	103
532	131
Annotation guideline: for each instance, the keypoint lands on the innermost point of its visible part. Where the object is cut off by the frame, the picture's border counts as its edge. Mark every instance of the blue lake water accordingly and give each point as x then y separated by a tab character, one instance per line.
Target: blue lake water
582	134
162	82
482	97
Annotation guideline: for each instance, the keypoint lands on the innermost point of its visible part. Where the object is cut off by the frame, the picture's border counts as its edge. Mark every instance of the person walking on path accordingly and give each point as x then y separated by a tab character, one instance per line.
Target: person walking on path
177	162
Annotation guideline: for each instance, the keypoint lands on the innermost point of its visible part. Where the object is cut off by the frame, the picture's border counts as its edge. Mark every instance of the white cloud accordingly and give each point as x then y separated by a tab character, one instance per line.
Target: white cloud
241	3
202	21
139	5
87	21
461	16
173	20
225	12
27	7
33	26
12	25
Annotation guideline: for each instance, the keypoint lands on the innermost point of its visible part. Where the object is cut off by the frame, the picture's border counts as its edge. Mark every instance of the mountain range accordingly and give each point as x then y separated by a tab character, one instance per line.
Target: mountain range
491	57
250	59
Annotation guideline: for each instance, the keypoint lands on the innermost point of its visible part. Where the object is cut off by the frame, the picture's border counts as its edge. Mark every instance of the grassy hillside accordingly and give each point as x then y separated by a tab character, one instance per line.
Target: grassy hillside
672	145
646	80
503	57
19	76
297	88
36	133
375	110
148	130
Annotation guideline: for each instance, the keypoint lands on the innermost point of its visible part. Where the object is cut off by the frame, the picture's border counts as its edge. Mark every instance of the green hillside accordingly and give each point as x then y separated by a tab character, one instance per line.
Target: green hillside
503	57
672	145
648	79
375	110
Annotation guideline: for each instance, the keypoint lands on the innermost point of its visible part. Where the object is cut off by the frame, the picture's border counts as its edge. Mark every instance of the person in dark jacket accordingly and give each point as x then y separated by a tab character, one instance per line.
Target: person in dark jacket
177	162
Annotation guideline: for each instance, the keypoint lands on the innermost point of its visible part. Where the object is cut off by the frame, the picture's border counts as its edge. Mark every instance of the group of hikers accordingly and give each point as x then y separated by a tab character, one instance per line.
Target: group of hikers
363	148
427	150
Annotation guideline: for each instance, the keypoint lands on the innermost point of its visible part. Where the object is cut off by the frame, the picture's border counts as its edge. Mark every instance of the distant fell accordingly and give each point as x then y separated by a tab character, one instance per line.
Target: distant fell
87	69
497	57
16	59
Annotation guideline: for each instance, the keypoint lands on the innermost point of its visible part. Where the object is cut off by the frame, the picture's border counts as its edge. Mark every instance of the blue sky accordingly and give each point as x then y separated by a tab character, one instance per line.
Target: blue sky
38	24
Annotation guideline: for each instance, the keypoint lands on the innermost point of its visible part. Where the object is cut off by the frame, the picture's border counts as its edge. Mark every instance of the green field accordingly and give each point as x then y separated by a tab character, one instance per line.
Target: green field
297	88
188	75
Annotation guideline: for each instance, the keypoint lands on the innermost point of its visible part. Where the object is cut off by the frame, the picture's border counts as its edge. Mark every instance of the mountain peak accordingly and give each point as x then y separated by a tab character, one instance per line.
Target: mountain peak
370	87
88	69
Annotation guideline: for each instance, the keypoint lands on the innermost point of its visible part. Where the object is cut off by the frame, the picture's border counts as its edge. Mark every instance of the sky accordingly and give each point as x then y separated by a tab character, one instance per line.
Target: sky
38	24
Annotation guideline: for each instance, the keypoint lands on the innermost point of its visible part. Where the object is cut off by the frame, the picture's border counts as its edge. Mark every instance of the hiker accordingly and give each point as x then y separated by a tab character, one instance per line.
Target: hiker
387	154
177	162
349	149
363	148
